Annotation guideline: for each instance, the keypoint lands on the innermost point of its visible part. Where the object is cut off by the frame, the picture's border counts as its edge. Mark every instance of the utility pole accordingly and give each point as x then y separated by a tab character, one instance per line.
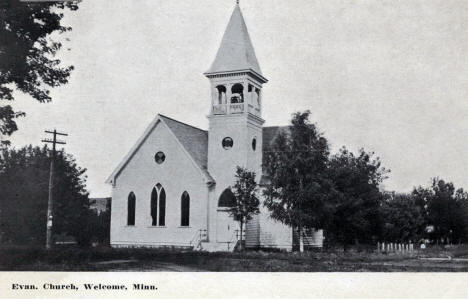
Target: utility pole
50	202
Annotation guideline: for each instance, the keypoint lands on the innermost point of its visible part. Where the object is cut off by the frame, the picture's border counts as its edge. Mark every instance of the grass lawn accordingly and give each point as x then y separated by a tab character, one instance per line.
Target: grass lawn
109	259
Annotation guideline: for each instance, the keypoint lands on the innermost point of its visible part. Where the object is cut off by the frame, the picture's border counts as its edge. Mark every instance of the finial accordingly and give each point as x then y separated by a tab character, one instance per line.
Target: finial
237	2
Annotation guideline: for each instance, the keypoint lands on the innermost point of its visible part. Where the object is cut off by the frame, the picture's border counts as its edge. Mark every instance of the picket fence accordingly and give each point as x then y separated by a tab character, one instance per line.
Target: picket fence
395	247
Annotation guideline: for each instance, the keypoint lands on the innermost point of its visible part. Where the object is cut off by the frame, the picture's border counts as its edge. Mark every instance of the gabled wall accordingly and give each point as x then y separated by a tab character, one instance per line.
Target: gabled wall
177	174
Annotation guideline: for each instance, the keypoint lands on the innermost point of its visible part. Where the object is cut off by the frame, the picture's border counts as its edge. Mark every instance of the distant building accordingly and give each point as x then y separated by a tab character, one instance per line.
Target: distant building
174	186
100	204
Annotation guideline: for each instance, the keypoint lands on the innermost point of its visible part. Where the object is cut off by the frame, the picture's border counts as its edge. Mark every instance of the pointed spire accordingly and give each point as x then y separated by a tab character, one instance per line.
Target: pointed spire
236	52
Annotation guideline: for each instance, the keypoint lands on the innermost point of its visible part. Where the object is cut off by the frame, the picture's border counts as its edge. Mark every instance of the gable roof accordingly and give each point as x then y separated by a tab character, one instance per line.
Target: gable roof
236	52
194	142
269	135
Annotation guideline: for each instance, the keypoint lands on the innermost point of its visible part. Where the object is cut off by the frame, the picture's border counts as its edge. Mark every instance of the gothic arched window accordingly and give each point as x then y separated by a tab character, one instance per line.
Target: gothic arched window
162	207
158	206
185	209
131	202
227	199
154	206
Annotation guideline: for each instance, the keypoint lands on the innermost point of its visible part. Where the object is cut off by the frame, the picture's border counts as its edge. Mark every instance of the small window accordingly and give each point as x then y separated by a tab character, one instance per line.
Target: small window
159	157
185	209
254	143
227	143
131	201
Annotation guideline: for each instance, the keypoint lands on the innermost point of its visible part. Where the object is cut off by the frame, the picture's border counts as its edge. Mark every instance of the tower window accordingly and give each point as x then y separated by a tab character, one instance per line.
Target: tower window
237	93
254	143
257	96
160	157
221	94
227	143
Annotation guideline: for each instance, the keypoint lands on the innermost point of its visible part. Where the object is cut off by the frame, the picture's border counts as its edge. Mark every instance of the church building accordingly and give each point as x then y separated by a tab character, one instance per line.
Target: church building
174	186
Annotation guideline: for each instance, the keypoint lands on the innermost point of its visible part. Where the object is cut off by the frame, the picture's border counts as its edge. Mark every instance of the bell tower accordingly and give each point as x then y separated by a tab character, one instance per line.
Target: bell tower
235	117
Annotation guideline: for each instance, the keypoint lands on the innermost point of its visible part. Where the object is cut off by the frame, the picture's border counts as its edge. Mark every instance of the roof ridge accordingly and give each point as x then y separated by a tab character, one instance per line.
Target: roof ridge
182	123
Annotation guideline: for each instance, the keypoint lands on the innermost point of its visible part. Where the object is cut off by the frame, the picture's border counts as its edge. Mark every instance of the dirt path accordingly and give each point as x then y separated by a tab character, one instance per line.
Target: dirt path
140	266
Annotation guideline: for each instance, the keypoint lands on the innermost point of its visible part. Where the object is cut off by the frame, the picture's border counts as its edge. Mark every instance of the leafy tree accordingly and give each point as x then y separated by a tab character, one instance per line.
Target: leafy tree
245	192
403	219
356	197
99	224
24	177
299	188
27	54
445	209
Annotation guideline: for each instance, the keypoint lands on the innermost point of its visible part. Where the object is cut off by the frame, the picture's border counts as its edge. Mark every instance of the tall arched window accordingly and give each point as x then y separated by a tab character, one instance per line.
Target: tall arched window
162	207
154	206
131	201
185	209
158	206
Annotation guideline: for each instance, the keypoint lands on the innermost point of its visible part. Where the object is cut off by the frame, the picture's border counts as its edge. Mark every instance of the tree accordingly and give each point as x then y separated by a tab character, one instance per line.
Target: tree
245	192
446	208
299	188
99	224
27	54
356	198
403	219
24	175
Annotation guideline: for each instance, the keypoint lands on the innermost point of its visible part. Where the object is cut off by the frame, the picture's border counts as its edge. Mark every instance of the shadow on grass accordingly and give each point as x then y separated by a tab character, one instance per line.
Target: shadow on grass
14	258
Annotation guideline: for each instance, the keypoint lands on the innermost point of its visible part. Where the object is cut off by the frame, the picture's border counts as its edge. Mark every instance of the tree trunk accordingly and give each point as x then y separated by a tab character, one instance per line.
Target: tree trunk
301	240
241	227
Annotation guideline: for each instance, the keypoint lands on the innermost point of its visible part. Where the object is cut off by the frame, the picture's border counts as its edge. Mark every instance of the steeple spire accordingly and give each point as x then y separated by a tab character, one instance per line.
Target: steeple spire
236	52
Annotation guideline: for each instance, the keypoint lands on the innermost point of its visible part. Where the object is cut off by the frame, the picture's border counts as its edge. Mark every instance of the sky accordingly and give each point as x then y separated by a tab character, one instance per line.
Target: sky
387	76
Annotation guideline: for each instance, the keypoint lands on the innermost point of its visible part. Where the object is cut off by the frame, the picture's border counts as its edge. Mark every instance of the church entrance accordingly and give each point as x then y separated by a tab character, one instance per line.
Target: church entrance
225	227
225	224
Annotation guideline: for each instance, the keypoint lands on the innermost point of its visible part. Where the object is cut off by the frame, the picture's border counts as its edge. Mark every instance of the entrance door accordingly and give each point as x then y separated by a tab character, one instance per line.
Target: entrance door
225	227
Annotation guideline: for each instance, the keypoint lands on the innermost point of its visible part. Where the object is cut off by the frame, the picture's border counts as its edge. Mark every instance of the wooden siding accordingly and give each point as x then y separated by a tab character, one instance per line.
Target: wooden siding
252	232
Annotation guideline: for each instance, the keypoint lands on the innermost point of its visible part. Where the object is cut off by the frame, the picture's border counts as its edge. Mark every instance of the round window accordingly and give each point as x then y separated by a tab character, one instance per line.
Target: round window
227	143
159	157
254	143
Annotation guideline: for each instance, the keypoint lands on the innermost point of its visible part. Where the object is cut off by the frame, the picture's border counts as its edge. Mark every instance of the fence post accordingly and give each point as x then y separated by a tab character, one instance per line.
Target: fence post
378	246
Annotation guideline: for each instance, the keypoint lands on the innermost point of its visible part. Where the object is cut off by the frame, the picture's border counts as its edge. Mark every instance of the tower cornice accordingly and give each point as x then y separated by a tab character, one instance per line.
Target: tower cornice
251	72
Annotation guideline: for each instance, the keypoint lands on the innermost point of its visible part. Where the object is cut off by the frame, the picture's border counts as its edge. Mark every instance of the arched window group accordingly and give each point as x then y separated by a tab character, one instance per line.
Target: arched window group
158	207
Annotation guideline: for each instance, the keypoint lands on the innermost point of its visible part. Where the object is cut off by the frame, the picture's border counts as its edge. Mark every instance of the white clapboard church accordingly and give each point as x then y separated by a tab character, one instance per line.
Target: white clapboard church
173	187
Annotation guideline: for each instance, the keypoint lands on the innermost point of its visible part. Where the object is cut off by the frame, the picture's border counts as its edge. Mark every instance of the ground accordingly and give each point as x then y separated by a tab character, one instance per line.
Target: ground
437	259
